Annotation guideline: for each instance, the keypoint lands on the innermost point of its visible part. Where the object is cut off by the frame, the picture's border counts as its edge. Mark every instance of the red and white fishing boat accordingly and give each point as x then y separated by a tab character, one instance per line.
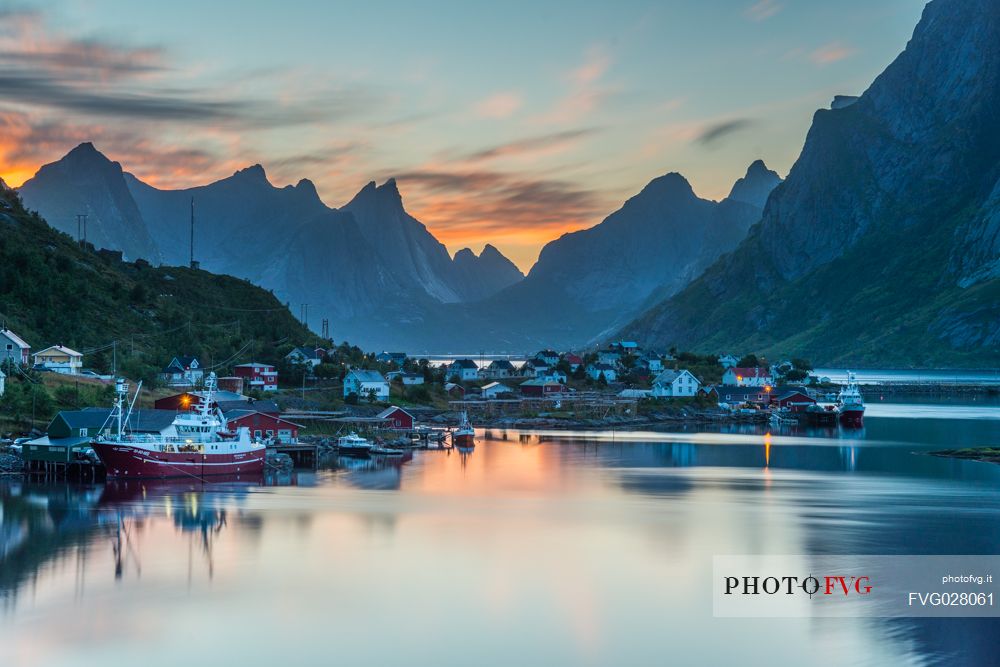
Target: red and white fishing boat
197	444
464	435
850	403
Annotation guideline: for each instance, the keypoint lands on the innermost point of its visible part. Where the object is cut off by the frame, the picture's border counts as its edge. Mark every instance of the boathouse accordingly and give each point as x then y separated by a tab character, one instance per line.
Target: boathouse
397	418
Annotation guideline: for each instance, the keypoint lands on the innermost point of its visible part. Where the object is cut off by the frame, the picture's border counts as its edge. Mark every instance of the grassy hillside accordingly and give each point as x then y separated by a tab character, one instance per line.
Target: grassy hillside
132	315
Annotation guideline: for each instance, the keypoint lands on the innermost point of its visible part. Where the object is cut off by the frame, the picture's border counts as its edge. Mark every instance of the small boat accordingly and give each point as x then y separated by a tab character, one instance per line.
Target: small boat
851	403
353	444
783	418
821	415
464	435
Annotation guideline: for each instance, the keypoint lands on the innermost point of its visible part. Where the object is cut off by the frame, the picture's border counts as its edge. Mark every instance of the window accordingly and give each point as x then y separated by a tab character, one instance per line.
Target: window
83	433
257	433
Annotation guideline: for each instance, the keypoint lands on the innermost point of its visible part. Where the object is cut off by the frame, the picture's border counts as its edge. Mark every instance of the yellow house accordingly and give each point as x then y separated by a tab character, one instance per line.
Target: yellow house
60	359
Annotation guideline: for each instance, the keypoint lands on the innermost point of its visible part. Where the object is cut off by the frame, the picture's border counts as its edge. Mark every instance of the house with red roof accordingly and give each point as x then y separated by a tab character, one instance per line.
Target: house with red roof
748	377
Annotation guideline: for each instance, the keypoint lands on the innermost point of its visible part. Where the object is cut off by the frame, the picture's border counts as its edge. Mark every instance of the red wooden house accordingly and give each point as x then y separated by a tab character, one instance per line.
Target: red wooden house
258	376
264	426
542	387
397	418
794	400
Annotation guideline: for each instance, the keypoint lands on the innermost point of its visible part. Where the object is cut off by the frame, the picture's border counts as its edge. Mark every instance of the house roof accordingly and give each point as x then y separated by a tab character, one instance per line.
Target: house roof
464	363
146	421
547	353
738	392
14	338
536	363
755	372
795	392
243	404
602	367
389	410
502	364
496	385
540	382
61	349
307	352
362	375
667	377
573	359
254	364
233	415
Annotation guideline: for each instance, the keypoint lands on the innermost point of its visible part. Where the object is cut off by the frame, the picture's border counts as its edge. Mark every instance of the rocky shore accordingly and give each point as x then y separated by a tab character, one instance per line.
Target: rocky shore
10	463
984	454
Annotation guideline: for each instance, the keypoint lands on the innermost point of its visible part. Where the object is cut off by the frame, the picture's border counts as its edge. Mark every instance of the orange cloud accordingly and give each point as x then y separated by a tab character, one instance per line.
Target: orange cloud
501	105
831	53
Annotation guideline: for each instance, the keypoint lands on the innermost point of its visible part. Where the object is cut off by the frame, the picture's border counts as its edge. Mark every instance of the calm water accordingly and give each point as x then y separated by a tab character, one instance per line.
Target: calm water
536	549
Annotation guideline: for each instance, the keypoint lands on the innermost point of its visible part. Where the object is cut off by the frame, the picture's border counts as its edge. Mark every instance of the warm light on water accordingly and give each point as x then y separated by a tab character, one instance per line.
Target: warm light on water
552	548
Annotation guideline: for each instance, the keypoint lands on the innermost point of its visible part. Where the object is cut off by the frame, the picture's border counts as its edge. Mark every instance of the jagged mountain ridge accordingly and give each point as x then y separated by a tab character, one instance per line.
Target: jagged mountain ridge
881	246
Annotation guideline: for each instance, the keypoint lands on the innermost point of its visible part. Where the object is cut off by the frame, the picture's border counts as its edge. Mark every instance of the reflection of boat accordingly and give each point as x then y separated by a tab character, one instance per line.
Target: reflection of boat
353	444
851	403
464	435
387	452
192	445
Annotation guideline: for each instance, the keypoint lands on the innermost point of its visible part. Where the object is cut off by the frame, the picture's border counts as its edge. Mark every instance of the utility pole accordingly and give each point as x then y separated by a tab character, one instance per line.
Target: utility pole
81	228
114	357
326	329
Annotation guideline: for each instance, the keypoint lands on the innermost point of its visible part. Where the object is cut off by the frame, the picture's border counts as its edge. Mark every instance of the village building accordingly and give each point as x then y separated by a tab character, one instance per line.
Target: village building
454	390
550	357
263	425
651	362
3	383
542	387
230	383
733	395
263	377
496	390
747	377
610	357
534	368
463	370
675	384
13	348
574	361
192	400
412	379
499	369
362	383
398	358
59	359
396	418
182	372
794	400
728	360
596	371
555	374
637	394
306	356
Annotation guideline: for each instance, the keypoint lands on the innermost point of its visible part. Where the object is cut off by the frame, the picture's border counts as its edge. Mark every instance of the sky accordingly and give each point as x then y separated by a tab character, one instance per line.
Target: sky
505	123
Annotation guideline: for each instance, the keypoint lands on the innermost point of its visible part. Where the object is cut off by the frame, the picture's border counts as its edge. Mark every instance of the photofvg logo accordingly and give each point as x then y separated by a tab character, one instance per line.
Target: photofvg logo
854	585
810	585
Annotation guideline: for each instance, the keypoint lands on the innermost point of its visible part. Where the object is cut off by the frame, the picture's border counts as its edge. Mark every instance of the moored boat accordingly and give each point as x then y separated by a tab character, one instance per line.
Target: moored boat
851	403
353	445
388	452
196	444
464	435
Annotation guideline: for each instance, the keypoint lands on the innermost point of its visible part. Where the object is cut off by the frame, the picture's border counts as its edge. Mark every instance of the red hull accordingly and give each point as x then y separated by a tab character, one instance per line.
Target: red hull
463	440
852	417
124	460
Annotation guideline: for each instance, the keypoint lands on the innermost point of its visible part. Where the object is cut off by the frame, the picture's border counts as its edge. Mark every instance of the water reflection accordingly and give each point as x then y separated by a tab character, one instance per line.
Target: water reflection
534	548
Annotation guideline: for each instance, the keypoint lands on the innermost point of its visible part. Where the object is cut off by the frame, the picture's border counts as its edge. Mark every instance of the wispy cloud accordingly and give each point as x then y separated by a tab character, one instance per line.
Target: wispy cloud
586	89
713	134
762	10
500	105
549	143
831	53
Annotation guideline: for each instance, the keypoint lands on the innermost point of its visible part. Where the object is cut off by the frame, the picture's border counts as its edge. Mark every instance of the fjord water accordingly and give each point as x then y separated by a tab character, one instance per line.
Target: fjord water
551	548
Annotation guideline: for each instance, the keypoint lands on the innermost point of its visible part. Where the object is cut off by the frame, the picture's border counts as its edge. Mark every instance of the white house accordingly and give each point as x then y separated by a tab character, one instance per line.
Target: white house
14	348
550	357
495	389
728	360
651	361
747	377
183	372
306	356
411	379
463	370
609	357
498	369
398	358
675	384
607	370
362	382
60	359
555	374
3	383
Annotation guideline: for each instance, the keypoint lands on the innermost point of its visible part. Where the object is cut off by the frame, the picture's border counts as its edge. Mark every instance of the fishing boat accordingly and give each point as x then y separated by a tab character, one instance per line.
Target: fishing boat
197	443
464	435
851	403
387	452
354	445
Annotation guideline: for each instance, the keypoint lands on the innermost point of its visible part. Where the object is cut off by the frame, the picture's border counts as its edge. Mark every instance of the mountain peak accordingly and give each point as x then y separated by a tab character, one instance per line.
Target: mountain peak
254	171
307	187
669	185
755	187
464	255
